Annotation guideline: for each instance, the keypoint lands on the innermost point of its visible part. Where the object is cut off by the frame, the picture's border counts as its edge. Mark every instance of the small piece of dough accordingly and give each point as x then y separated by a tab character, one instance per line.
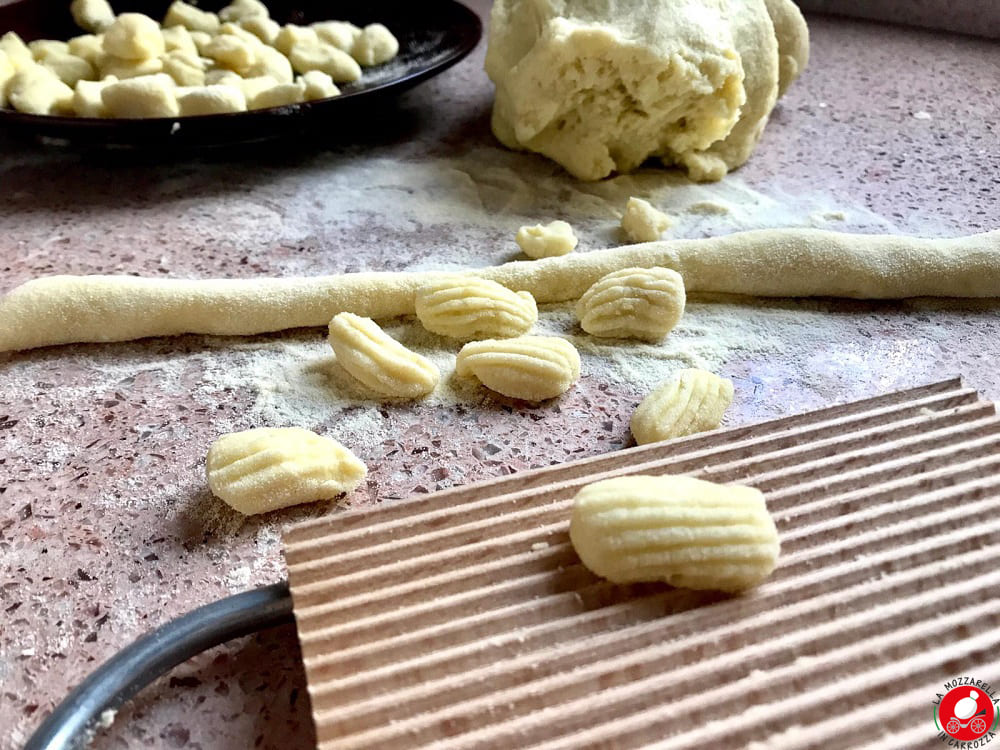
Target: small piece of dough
134	36
186	69
261	27
234	29
211	100
683	531
88	46
42	48
341	34
546	240
38	91
279	95
257	471
69	68
16	50
291	35
468	308
378	361
766	263
272	63
233	53
318	85
178	39
6	73
141	97
87	101
374	45
642	222
240	9
337	64
639	303
201	40
92	15
193	19
693	402
531	368
122	69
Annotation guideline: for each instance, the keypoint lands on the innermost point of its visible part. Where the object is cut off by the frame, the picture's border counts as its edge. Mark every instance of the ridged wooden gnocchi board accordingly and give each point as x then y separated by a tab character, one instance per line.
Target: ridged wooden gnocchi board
464	619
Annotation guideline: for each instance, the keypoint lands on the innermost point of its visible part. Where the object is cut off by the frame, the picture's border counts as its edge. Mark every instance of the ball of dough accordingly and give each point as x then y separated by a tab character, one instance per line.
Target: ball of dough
134	36
109	65
261	27
42	48
291	35
233	53
546	240
140	97
680	530
465	307
186	69
270	62
642	222
257	471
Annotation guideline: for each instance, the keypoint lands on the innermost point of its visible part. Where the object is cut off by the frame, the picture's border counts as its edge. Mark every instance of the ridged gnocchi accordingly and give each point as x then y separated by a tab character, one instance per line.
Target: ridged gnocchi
378	361
466	307
693	402
640	303
264	469
684	531
531	368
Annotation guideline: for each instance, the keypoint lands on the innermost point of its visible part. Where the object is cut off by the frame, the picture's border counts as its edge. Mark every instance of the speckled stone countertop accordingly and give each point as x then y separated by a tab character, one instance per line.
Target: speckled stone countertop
106	528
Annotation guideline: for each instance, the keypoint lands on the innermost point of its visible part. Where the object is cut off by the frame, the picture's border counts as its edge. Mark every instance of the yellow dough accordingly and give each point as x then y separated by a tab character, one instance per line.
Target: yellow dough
92	15
265	469
642	222
142	96
374	45
692	402
682	531
531	368
378	361
193	19
767	262
546	240
468	308
639	303
600	86
212	100
134	36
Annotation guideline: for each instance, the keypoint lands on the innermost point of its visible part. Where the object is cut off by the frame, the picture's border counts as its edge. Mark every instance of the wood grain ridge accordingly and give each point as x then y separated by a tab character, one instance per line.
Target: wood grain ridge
464	619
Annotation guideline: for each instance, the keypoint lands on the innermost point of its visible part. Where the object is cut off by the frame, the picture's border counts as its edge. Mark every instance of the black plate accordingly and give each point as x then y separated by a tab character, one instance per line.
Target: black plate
433	35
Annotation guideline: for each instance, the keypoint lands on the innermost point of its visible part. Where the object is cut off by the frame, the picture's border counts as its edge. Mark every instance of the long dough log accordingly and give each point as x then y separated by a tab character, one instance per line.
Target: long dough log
767	263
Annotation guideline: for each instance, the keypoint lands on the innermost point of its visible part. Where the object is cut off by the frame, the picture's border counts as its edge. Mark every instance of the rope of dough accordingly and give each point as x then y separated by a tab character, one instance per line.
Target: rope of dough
767	263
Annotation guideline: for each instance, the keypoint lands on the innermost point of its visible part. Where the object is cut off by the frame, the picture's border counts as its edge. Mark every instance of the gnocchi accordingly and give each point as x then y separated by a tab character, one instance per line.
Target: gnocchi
468	308
378	361
134	36
264	469
531	368
143	96
693	402
642	222
683	531
241	47
546	240
641	303
38	91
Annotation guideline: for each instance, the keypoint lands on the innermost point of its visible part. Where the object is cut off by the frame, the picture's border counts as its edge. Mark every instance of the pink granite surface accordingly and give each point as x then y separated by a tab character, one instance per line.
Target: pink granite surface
89	556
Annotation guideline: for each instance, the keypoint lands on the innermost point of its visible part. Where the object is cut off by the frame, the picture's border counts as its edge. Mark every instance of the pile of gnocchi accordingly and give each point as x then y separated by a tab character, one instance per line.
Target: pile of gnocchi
195	63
